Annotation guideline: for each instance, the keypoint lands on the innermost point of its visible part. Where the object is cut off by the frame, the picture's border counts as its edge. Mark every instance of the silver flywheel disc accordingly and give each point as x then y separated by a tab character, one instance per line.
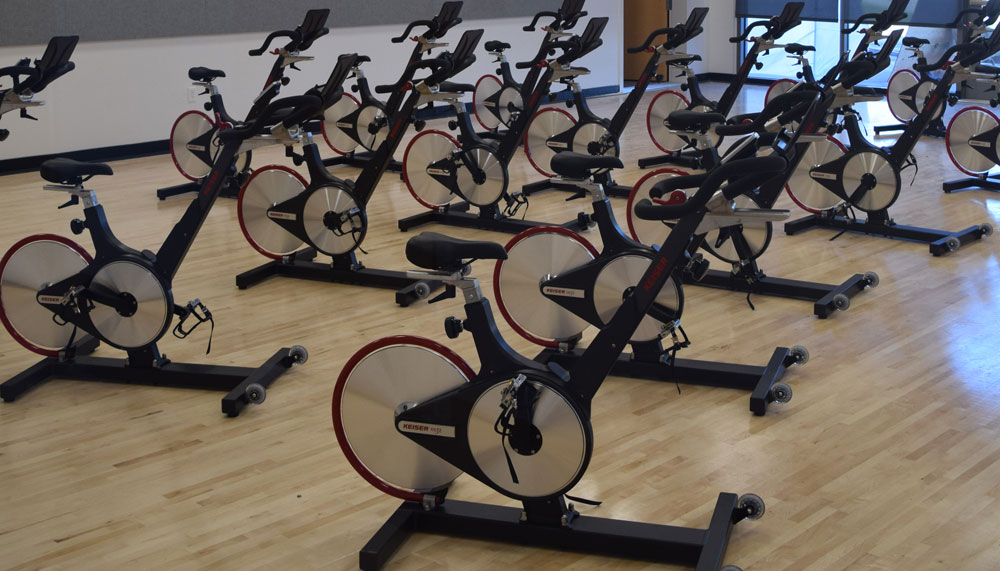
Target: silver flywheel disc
620	277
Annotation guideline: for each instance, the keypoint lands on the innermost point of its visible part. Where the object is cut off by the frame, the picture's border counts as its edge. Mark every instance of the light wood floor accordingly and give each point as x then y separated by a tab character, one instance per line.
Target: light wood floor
888	457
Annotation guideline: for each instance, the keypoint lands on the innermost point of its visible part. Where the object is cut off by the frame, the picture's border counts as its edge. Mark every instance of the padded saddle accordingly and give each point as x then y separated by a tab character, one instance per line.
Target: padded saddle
449	87
68	171
496	46
914	42
798	49
684	120
205	74
433	251
578	166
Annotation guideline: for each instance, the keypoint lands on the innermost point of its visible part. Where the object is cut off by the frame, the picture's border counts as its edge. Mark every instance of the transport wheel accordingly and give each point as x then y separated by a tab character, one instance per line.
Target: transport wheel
510	98
617	280
562	432
868	167
756	233
780	87
267	187
841	302
660	108
806	192
427	148
27	267
190	125
965	125
492	187
153	308
781	393
333	220
255	393
595	139
952	243
649	232
380	380
800	354
334	124
486	87
298	354
371	115
545	124
899	82
871	280
751	505
986	229
532	257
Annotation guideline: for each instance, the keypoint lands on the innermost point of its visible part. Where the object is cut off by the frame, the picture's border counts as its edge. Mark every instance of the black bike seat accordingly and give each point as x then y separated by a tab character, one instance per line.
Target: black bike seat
579	166
496	46
684	120
204	74
68	171
798	49
361	59
449	87
434	251
914	42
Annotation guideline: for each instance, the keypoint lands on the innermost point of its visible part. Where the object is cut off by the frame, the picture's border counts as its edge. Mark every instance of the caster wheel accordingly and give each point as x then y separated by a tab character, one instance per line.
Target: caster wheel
871	280
751	505
800	354
841	302
781	393
421	290
986	229
255	393
952	243
298	354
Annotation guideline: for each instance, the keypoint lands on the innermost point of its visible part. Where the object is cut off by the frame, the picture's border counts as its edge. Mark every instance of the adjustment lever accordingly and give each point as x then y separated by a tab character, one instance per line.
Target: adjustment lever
24	115
448	293
578	194
558	371
453	327
73	201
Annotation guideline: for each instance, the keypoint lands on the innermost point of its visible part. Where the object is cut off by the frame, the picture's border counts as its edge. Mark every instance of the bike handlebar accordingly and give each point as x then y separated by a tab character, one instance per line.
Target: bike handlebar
970	47
14	71
437	26
743	176
649	41
304	107
746	32
781	104
270	38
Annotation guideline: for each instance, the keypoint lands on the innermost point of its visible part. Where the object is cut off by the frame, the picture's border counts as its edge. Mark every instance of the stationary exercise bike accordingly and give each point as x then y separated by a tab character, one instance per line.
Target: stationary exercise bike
971	141
907	91
595	135
279	211
777	129
194	136
56	299
31	78
669	100
498	102
410	415
439	168
867	177
356	129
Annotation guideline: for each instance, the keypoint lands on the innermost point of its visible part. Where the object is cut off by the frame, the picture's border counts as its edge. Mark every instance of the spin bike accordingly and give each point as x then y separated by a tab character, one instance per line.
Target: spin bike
971	142
554	283
497	103
867	177
669	100
194	136
595	135
51	289
438	168
519	426
30	79
907	90
279	210
351	125
741	245
894	14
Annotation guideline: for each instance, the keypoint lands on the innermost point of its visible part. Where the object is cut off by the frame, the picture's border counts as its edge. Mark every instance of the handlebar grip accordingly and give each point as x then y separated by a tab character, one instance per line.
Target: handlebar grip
646	210
858	22
738	129
524	64
650	38
305	107
760	170
945	56
382	89
677	183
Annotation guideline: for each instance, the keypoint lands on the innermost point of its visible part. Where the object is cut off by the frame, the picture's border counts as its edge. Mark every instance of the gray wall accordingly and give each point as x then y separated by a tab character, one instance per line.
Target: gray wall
28	22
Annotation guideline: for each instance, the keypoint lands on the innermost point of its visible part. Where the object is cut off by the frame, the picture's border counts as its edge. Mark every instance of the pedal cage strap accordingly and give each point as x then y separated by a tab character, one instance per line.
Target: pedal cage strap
201	314
514	203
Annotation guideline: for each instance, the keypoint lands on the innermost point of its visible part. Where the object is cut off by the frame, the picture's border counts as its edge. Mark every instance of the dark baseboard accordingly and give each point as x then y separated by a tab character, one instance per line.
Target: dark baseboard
120	152
101	155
